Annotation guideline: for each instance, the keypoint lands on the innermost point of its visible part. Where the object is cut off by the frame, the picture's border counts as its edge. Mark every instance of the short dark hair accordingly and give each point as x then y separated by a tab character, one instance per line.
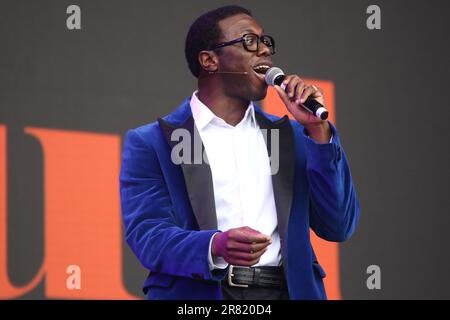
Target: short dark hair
205	31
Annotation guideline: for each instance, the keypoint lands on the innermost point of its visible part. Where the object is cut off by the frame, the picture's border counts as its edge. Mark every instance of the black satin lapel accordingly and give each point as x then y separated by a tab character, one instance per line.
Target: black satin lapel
283	180
197	176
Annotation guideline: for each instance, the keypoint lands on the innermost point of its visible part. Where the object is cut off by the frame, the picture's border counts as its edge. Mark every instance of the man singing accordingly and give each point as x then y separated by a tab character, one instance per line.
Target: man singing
230	227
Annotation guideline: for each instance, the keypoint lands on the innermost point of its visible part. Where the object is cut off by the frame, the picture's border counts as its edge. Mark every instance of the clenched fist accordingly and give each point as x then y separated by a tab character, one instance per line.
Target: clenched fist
240	246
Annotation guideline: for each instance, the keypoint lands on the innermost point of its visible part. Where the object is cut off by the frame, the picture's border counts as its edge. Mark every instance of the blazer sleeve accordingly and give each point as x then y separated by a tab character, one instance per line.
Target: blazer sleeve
334	206
151	228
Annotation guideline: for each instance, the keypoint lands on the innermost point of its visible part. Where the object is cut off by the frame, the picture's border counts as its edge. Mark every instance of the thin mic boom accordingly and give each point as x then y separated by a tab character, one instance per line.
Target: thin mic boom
230	72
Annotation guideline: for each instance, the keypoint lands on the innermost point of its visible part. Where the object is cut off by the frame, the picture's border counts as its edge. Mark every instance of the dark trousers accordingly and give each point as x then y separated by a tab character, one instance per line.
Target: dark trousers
253	293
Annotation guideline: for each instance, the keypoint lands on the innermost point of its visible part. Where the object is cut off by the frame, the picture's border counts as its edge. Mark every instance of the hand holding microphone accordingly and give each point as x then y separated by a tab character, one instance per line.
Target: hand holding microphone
294	92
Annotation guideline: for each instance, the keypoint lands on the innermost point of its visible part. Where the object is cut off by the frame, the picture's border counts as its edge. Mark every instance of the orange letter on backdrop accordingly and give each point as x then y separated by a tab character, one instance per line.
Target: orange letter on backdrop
327	252
82	215
7	289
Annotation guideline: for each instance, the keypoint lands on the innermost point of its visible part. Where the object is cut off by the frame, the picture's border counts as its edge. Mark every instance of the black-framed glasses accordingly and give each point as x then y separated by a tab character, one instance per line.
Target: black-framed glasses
250	41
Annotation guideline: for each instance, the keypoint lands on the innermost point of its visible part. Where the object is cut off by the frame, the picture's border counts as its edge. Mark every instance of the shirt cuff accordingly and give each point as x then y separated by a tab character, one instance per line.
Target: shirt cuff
216	262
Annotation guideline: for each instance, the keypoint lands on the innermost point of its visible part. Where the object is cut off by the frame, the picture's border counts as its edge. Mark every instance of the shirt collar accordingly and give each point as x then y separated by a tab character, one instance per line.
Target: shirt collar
203	115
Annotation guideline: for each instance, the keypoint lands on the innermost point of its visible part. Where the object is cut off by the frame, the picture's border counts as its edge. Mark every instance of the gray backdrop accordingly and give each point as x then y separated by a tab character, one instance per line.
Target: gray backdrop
391	109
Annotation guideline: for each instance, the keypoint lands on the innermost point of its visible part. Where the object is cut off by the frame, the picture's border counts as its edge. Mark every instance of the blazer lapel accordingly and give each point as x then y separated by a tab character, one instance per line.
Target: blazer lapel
197	174
283	180
198	177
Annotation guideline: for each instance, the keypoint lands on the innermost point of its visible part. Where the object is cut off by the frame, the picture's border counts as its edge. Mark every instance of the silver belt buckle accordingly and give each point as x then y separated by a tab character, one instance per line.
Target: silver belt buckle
230	276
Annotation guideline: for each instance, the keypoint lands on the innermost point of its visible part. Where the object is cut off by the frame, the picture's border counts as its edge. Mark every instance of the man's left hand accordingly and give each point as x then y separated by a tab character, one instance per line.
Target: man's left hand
297	91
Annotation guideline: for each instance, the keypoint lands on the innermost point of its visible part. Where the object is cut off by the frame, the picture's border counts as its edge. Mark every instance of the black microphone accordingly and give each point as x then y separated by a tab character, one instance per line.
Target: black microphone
275	76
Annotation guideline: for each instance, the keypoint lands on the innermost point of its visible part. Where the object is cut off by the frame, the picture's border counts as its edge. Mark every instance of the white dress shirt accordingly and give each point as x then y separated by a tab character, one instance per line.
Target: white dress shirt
240	167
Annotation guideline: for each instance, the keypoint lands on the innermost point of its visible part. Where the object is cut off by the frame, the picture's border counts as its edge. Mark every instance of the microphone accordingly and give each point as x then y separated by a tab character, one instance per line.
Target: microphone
275	76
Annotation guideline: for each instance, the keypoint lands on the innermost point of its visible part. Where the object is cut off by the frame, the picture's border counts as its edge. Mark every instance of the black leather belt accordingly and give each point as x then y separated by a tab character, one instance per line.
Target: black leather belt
269	277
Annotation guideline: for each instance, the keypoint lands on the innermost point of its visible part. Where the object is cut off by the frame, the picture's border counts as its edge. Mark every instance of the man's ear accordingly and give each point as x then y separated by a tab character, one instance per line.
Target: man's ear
209	61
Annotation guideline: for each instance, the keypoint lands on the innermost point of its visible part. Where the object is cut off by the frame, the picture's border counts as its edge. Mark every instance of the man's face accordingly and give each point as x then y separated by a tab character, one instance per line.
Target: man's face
235	58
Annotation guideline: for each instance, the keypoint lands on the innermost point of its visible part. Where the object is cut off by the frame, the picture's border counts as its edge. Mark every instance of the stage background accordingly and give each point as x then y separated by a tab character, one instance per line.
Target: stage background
126	67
